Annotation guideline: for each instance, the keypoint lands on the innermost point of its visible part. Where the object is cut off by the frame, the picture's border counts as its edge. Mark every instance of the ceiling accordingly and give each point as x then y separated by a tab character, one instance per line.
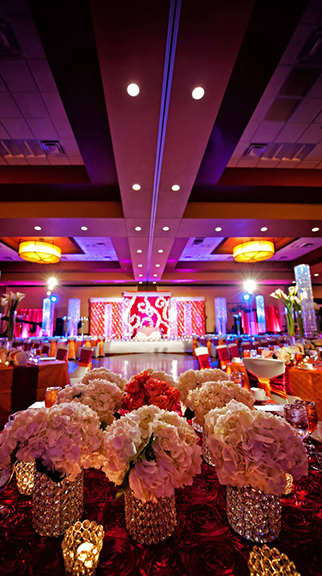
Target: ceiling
73	142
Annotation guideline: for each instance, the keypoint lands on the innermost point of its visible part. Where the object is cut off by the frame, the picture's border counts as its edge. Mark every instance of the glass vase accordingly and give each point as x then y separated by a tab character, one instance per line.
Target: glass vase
25	477
253	514
205	450
11	325
56	505
150	522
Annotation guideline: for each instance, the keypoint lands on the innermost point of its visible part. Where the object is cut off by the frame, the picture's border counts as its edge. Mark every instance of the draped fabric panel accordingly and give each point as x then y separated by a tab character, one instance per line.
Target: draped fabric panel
30	315
273	322
249	322
106	317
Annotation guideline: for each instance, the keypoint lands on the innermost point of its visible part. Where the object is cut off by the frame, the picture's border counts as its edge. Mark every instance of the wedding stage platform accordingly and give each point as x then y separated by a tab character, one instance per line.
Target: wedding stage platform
148	347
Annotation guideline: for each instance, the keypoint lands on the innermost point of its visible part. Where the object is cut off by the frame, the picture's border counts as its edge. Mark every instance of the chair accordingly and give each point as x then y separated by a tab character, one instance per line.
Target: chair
203	357
234	350
62	352
45	349
223	355
84	364
267	373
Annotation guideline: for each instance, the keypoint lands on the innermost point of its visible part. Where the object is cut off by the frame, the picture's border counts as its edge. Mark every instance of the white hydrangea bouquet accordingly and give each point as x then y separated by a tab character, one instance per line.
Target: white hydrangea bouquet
103	397
151	451
104	374
216	395
254	448
61	440
191	379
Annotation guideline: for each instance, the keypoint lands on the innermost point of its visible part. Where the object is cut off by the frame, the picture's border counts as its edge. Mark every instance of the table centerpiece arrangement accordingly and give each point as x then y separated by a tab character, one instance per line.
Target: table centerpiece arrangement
150	388
214	395
149	453
61	441
102	373
11	301
253	451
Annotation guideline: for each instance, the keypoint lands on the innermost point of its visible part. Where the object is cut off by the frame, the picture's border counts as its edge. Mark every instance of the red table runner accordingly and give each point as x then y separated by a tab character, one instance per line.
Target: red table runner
203	542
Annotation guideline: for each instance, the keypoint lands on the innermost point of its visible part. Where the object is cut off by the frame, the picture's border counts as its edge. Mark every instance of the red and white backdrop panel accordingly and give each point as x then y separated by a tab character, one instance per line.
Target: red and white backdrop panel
106	317
147	310
187	316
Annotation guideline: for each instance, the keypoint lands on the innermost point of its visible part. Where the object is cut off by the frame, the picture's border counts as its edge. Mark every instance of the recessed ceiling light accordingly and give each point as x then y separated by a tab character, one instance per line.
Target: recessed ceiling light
137	228
154	282
175	187
165	228
140	275
133	90
316	274
198	93
38	228
264	229
140	282
84	228
218	229
160	251
155	275
139	251
293	281
140	265
136	187
316	229
157	265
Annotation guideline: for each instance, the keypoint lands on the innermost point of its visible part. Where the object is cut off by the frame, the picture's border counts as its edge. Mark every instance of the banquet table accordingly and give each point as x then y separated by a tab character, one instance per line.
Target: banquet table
307	384
20	386
202	544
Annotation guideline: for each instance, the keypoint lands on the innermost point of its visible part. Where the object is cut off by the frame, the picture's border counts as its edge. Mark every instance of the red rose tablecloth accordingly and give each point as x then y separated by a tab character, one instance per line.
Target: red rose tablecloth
203	543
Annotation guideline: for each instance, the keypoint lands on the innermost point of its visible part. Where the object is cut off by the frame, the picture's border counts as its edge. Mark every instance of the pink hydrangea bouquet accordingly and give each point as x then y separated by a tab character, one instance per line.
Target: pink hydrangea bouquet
61	440
104	374
100	395
253	448
191	379
216	395
151	451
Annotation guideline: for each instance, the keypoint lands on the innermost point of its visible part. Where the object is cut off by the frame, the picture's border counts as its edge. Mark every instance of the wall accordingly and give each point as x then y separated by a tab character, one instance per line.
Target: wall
233	295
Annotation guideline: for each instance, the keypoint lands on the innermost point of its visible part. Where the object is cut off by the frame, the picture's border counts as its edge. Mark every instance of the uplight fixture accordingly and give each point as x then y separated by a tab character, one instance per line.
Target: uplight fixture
137	228
165	228
175	187
84	228
218	229
133	90
39	251
254	251
264	229
250	286
136	187
316	229
38	228
198	93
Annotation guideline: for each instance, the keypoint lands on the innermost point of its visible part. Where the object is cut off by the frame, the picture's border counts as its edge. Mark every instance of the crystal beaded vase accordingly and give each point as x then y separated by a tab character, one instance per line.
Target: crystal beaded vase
205	450
25	476
253	514
56	505
150	522
197	426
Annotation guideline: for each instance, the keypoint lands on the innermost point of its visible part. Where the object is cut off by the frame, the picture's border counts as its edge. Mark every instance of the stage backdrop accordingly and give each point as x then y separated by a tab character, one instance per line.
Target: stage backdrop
147	312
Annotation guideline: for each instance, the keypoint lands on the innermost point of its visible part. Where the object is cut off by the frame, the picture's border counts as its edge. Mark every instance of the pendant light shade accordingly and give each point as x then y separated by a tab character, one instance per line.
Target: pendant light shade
254	251
39	251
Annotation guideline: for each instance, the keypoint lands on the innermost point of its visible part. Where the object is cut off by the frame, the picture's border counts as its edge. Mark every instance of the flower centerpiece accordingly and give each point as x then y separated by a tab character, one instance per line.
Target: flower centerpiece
11	302
293	305
191	379
61	441
148	453
104	374
104	397
253	451
146	389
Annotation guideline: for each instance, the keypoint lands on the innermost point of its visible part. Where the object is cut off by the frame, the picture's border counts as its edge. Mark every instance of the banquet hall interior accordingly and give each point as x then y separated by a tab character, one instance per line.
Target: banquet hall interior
160	207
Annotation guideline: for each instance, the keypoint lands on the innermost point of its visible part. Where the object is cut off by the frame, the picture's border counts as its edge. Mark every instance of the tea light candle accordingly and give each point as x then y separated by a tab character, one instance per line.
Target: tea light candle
81	548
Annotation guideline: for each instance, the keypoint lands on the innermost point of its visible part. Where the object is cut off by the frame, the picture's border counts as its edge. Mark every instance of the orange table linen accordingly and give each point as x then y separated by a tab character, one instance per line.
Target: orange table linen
307	384
51	374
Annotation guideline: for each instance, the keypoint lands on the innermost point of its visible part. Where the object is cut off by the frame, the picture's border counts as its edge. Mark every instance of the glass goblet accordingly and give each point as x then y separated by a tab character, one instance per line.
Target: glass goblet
51	395
312	416
296	415
236	377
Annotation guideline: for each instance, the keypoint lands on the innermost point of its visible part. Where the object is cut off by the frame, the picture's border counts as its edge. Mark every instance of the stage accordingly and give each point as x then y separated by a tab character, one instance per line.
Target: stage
162	346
